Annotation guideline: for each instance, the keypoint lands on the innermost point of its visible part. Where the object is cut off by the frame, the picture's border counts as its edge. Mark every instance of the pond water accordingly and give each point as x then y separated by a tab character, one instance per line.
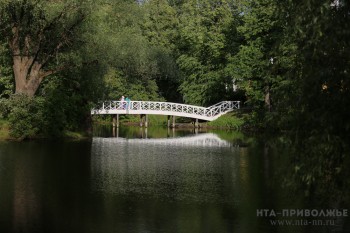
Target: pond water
154	180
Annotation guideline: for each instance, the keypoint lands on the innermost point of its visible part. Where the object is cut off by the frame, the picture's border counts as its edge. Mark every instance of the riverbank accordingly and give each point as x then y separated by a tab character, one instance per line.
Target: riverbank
6	136
231	121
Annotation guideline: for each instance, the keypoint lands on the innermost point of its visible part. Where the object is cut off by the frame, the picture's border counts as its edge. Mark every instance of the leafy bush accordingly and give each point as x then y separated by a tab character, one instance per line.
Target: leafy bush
56	109
25	116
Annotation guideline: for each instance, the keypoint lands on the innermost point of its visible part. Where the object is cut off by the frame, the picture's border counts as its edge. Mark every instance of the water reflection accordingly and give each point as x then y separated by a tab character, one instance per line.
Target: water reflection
169	185
179	168
184	182
204	140
140	132
26	203
43	186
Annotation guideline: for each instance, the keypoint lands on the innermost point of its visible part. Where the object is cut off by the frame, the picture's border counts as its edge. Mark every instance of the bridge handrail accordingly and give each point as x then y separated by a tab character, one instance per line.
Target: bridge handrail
217	104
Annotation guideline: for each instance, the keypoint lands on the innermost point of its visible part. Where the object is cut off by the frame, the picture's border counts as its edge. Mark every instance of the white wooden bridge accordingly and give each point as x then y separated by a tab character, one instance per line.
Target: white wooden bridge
166	108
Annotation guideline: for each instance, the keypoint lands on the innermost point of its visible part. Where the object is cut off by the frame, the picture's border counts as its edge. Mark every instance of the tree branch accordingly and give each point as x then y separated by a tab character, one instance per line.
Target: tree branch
64	39
46	73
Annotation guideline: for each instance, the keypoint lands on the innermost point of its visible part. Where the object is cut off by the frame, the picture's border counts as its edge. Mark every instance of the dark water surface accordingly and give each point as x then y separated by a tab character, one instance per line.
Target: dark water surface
154	181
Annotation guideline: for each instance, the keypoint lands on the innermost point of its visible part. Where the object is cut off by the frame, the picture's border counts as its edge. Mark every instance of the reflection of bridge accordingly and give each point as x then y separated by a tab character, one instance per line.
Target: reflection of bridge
205	140
166	108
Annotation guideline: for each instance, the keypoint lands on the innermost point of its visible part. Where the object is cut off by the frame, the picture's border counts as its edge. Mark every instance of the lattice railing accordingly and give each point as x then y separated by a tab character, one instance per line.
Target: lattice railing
152	107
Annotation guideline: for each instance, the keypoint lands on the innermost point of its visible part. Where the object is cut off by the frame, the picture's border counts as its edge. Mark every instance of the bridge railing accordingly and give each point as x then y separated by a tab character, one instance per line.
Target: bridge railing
153	106
222	107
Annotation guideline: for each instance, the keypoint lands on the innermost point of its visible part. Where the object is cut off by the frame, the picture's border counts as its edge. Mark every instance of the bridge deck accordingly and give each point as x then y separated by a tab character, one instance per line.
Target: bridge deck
166	108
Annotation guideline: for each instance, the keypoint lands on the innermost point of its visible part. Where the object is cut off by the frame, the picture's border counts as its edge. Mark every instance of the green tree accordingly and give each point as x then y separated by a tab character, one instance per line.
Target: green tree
37	33
160	23
320	79
203	50
131	61
321	33
252	66
160	26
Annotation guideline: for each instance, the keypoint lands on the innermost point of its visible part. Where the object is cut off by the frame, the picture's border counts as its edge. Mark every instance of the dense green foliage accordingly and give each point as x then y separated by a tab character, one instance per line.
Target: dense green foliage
321	81
204	48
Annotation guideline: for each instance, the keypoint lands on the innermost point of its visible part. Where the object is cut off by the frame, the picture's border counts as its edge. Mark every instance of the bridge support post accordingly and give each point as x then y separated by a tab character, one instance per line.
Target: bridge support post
173	124
115	132
196	124
146	121
168	122
116	120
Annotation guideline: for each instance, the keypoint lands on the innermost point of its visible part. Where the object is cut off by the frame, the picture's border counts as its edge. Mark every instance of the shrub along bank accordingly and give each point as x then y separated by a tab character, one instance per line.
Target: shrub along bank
24	117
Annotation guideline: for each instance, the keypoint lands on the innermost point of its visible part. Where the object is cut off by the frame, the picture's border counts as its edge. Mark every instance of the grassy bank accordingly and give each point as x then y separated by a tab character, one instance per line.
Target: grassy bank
229	120
75	135
4	130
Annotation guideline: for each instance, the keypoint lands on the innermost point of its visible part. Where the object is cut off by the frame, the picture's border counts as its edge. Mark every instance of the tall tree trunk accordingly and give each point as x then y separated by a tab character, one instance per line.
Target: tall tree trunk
268	99
32	44
26	69
27	78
